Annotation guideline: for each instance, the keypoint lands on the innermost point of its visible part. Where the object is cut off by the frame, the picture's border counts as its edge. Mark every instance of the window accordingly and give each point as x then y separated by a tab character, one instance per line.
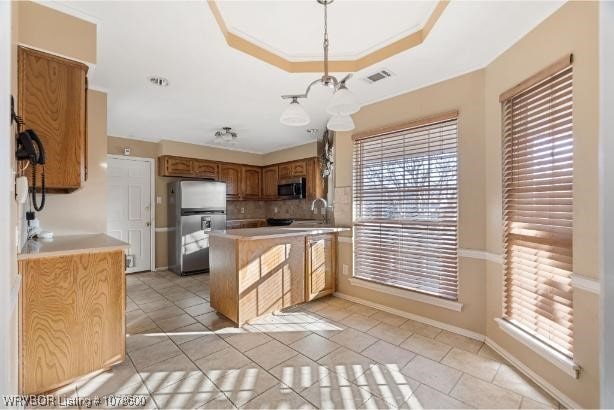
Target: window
538	207
406	207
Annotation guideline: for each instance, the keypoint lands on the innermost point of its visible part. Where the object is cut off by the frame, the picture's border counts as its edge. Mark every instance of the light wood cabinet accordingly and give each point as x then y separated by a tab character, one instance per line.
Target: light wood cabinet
169	166
72	317
231	175
269	182
246	182
251	182
205	169
285	171
320	265
53	102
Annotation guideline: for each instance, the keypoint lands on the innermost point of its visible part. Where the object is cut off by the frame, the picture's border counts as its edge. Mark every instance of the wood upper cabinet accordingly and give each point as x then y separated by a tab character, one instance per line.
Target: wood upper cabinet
299	168
205	169
174	166
252	182
320	265
285	171
52	101
269	182
171	166
315	182
231	174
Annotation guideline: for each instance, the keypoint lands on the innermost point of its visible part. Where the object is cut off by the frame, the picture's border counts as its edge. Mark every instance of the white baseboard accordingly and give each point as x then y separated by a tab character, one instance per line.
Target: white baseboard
418	318
537	379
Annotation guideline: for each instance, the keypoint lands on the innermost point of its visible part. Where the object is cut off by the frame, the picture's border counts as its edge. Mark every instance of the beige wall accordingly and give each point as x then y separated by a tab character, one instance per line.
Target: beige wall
572	29
463	94
55	32
289	154
205	152
85	210
143	149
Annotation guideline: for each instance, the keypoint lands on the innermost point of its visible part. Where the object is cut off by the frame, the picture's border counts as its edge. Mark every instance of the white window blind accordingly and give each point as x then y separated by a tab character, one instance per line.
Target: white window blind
538	209
405	197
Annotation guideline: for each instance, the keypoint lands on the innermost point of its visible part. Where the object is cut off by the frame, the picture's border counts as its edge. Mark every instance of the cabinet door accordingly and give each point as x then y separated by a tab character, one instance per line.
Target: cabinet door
250	224
231	174
320	266
175	167
251	178
52	101
269	182
205	169
285	171
299	168
315	182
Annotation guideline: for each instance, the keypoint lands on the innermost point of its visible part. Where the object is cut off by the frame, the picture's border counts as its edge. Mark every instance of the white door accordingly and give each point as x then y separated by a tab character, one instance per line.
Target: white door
129	210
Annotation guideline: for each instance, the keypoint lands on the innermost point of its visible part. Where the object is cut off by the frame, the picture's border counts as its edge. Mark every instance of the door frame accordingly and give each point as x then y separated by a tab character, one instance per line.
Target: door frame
152	193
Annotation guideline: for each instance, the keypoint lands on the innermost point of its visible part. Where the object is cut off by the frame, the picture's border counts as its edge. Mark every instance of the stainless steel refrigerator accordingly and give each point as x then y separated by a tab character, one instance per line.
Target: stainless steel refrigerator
195	208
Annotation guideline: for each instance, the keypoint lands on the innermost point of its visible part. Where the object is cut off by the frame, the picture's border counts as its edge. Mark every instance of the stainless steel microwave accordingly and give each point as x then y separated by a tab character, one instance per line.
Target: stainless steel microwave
294	188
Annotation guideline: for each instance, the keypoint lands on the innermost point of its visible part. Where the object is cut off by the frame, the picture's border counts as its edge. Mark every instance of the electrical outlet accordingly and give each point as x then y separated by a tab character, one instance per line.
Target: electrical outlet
346	269
242	210
275	210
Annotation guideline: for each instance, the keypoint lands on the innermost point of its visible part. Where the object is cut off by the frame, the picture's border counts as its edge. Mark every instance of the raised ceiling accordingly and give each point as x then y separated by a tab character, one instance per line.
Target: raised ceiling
214	85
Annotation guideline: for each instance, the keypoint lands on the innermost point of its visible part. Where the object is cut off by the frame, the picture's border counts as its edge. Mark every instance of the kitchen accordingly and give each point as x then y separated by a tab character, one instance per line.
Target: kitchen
185	233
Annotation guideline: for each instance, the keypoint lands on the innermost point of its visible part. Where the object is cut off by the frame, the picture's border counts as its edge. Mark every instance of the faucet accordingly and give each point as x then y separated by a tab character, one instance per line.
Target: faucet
313	207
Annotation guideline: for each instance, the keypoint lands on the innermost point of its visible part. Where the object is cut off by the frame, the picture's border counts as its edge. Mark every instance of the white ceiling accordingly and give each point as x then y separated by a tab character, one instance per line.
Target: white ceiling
355	27
213	85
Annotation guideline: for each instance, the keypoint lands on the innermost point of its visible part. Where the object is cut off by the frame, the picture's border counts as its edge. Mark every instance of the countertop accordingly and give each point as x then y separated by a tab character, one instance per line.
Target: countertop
272	232
70	244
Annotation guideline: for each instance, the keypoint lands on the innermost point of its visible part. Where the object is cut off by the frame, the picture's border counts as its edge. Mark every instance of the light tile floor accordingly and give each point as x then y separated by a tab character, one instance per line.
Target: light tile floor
330	353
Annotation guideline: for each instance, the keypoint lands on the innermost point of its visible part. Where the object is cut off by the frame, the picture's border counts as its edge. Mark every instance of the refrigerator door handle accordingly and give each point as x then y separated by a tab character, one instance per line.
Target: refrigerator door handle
205	223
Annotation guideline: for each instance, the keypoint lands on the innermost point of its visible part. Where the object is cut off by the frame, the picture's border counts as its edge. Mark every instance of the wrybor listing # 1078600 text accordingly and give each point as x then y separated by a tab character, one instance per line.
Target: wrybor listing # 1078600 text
59	401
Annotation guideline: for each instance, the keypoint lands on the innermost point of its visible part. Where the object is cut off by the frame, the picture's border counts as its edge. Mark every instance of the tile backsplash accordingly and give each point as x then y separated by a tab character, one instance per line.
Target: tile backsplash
293	208
251	210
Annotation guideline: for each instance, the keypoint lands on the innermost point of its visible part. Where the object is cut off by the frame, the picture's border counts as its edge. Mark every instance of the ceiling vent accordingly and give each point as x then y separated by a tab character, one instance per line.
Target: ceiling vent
159	81
378	76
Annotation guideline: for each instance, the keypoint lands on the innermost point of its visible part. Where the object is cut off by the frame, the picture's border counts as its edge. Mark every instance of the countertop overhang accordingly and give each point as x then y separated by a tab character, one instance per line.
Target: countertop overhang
272	232
69	245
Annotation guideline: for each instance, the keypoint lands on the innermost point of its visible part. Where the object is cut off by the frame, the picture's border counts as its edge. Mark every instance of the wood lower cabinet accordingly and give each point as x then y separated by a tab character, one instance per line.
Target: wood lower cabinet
72	317
231	175
320	265
251	180
53	102
270	179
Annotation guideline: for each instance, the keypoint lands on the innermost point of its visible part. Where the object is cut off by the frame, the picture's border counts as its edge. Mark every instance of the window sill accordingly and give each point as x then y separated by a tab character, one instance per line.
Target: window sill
407	294
556	358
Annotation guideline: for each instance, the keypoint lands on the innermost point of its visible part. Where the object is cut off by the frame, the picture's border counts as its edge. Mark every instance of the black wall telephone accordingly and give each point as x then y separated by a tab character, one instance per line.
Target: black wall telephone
30	148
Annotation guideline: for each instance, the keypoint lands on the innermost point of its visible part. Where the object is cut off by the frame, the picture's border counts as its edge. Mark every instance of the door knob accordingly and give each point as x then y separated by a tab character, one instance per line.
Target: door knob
148	223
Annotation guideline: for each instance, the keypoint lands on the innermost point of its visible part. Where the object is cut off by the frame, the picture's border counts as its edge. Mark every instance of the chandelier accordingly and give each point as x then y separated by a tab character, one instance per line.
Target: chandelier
341	105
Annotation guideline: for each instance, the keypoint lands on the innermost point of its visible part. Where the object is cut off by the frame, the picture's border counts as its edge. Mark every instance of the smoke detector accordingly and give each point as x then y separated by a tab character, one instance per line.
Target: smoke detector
378	76
159	81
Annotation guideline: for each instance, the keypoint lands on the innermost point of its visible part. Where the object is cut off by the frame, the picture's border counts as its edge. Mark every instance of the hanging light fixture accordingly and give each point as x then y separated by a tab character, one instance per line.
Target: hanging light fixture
226	136
342	104
340	123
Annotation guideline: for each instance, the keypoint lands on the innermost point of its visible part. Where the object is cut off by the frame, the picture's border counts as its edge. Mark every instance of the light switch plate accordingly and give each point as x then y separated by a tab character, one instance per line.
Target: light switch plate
346	269
158	200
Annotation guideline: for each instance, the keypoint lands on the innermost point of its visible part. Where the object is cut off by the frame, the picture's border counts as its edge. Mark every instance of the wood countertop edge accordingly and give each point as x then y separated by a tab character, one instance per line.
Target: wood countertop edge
26	256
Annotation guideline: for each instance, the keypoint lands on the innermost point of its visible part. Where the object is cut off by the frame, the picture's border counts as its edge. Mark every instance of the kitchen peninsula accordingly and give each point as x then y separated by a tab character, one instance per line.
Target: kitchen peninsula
258	271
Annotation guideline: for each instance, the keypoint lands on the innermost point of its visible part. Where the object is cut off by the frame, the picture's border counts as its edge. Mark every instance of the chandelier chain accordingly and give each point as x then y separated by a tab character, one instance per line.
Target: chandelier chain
326	39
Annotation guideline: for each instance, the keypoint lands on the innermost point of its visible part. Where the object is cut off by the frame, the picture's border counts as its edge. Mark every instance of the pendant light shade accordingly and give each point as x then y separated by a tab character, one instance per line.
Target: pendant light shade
340	123
343	102
294	115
